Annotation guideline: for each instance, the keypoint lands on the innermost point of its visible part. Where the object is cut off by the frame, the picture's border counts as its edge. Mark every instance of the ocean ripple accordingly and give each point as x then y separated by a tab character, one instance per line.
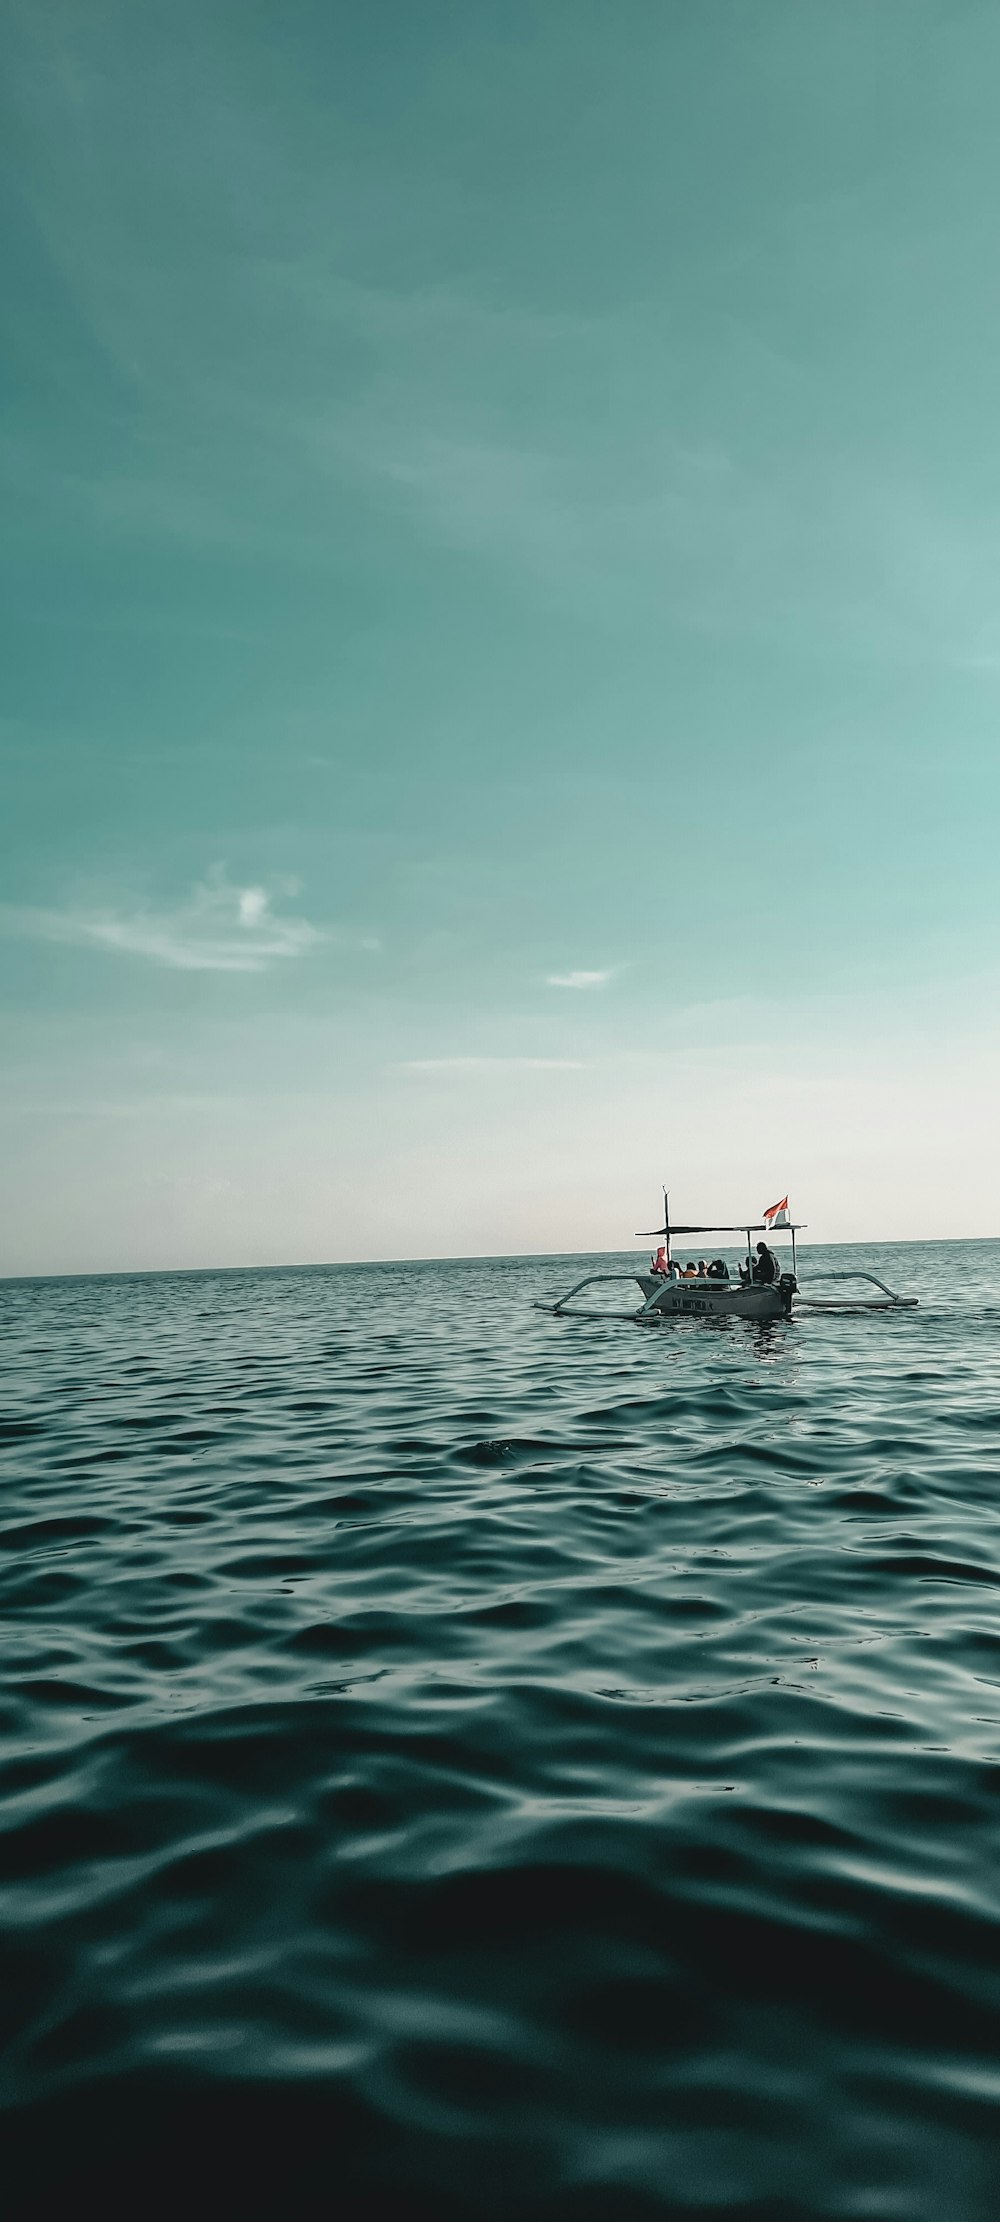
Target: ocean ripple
460	1762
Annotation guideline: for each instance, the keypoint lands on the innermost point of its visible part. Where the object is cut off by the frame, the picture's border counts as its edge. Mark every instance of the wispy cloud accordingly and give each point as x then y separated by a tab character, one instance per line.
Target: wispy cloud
220	928
489	1064
733	521
579	979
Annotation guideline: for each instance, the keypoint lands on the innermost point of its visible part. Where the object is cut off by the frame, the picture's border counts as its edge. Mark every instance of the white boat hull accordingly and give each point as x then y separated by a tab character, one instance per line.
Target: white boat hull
704	1299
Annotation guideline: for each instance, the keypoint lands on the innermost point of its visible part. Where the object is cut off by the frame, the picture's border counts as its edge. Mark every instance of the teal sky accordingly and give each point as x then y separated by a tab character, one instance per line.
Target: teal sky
501	623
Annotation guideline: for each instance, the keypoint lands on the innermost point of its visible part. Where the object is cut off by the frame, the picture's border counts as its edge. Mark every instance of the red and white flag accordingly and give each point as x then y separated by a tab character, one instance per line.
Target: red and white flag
776	1215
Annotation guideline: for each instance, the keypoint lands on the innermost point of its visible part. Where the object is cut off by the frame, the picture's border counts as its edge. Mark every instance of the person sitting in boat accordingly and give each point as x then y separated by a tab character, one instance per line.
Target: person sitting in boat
660	1263
702	1270
718	1270
746	1274
766	1268
690	1272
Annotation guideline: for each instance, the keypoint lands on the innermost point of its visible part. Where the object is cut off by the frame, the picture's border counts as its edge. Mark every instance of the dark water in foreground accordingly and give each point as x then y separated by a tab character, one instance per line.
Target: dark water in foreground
481	1765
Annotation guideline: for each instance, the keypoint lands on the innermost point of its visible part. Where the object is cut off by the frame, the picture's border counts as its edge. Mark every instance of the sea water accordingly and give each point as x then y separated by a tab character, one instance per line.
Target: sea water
462	1762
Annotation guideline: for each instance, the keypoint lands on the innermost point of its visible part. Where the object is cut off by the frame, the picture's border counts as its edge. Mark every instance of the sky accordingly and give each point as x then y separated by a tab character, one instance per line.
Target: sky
500	660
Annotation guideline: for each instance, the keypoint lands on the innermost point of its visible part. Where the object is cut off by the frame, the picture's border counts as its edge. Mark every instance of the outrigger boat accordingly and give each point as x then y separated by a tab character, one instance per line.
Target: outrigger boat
761	1292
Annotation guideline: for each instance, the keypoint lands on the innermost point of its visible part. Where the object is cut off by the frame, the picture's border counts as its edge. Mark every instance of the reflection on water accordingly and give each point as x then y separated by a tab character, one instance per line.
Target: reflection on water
485	1763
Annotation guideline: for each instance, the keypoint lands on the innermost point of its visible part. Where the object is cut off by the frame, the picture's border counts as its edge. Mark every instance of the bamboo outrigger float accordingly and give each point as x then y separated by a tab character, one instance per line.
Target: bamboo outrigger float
762	1291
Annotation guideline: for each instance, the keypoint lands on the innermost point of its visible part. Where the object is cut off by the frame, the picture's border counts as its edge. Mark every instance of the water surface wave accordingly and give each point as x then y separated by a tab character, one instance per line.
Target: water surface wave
475	1763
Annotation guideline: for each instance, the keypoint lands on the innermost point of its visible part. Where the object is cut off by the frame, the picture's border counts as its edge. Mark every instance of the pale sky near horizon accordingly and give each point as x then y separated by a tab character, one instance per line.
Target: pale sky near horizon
501	631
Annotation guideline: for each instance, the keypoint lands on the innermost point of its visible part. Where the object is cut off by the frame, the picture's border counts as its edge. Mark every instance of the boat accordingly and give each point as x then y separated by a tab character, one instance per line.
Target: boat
762	1291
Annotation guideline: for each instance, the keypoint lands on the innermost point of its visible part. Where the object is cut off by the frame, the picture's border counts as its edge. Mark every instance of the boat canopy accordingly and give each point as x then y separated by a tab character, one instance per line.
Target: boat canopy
744	1226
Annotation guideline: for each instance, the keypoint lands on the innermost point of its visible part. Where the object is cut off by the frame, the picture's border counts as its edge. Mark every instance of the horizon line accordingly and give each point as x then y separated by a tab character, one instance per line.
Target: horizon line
458	1257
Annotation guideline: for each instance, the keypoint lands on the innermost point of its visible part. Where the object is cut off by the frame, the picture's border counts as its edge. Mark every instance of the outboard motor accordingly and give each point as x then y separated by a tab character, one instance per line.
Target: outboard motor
787	1287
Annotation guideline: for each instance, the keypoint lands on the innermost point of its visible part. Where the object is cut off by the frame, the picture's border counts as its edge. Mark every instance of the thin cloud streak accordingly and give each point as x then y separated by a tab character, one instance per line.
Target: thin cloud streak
489	1064
579	979
220	929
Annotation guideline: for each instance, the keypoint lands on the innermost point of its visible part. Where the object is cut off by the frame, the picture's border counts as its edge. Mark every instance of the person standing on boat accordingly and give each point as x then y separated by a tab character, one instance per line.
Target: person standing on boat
659	1263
